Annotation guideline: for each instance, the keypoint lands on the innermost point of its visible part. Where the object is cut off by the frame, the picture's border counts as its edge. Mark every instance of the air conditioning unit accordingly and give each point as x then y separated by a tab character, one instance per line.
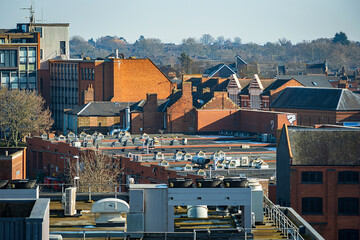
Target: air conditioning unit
70	201
70	210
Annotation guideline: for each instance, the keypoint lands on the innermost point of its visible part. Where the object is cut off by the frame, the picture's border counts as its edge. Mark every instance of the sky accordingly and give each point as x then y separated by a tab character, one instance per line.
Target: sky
257	21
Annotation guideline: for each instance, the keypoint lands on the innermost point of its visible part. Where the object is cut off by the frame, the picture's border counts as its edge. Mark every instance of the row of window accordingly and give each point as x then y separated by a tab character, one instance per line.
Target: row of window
18	80
87	74
314	206
27	58
317	177
64	71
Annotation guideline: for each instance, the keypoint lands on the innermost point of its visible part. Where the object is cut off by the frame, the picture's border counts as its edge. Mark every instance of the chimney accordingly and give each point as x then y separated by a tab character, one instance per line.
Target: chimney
89	94
186	88
116	53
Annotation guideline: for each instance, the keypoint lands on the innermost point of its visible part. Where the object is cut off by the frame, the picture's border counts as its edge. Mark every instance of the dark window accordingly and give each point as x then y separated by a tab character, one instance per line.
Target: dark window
62	47
348	177
348	206
311	205
348	234
39	30
8	58
311	177
82	74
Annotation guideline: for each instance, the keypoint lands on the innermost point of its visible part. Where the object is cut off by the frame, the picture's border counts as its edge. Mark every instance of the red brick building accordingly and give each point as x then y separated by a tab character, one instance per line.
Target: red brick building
12	163
318	176
319	105
51	158
70	83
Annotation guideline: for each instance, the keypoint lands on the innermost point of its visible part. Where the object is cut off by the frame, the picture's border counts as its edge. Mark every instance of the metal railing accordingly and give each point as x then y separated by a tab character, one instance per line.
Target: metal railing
281	221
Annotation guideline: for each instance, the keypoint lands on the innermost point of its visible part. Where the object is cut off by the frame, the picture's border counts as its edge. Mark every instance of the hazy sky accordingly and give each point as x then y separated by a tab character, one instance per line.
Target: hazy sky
258	21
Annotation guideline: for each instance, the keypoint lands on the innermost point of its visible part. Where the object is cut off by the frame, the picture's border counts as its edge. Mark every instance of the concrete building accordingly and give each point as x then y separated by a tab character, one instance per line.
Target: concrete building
318	176
25	51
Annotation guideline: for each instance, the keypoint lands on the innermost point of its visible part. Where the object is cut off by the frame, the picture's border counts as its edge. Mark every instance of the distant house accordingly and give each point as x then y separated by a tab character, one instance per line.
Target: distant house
220	70
319	105
188	167
164	163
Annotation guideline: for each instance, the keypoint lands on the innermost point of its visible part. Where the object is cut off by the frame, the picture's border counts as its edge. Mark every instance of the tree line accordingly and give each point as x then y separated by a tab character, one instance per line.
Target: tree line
338	51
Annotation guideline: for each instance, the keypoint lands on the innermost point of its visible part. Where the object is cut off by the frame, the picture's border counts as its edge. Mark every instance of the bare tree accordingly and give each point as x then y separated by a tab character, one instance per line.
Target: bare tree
22	112
94	168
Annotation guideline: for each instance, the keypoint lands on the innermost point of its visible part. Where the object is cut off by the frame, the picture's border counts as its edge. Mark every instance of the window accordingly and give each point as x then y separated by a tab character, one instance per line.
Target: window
93	74
348	206
311	177
82	74
62	47
348	177
32	55
2	40
41	54
5	79
23	55
348	234
311	205
14	80
8	58
86	74
39	30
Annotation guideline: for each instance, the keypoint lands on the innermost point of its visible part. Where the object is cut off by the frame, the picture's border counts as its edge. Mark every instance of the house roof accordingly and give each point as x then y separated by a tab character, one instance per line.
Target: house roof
213	70
324	146
332	99
309	80
111	108
264	82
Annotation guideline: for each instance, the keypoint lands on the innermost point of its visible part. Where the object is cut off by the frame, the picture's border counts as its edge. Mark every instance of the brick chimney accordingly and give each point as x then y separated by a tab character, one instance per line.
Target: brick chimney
187	91
89	94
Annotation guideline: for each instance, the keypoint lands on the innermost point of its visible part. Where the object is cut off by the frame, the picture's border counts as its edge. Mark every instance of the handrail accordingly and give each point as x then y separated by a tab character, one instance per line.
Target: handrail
281	221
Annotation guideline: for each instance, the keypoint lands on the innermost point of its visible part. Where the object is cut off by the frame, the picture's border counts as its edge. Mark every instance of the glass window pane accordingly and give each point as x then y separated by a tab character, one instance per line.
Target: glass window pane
32	52
14	78
23	78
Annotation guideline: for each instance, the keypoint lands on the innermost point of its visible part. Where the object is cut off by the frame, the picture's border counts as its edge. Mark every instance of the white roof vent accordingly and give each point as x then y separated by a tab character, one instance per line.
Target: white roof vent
110	210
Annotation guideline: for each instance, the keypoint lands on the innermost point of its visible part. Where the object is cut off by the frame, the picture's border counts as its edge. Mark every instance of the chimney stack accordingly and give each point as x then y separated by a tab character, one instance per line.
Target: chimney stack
116	53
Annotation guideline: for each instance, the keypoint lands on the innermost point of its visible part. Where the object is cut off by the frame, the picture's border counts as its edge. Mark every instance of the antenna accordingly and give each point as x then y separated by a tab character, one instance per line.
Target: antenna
32	12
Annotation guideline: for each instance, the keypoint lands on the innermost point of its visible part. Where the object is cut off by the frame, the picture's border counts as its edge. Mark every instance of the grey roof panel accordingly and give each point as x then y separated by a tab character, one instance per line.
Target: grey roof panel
309	80
332	99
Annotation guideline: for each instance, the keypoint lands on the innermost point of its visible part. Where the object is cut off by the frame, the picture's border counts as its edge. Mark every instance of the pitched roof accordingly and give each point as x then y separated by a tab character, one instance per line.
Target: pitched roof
111	108
332	99
309	80
234	82
100	109
264	82
213	70
324	146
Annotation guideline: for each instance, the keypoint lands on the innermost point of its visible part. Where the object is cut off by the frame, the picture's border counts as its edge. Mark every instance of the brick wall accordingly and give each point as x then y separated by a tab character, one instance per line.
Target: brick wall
181	115
220	100
241	120
134	78
12	166
152	118
328	223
